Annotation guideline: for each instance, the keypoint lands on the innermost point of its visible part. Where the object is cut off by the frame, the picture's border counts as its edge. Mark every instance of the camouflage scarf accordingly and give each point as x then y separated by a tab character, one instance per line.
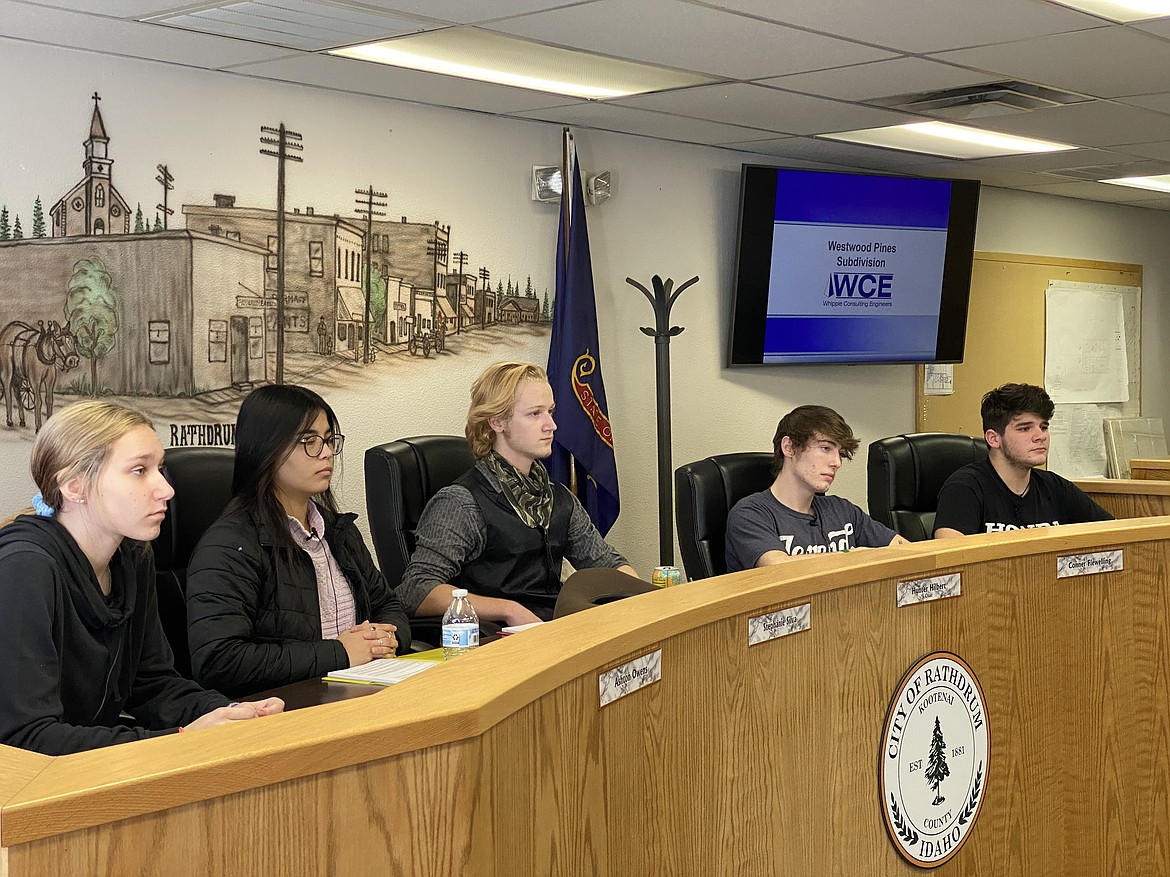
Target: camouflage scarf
530	496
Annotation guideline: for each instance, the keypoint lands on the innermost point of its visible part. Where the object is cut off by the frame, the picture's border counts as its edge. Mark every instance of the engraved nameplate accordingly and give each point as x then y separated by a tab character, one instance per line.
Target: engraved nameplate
774	625
1089	564
629	677
924	590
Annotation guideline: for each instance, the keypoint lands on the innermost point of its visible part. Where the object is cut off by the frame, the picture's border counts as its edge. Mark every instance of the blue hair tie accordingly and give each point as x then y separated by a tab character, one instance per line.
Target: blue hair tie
43	509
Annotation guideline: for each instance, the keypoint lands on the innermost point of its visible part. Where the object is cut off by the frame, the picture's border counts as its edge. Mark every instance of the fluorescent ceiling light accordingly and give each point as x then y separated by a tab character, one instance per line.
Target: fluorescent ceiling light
471	53
945	139
1120	10
1159	183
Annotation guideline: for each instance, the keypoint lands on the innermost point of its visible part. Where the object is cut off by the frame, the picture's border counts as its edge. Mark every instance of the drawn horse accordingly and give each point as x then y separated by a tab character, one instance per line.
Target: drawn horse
30	359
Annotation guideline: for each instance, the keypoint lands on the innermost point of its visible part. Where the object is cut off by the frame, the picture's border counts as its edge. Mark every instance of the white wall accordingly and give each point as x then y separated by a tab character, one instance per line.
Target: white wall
673	214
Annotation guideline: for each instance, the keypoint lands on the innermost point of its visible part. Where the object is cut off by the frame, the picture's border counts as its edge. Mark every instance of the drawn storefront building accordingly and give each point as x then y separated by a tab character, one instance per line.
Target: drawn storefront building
323	271
179	329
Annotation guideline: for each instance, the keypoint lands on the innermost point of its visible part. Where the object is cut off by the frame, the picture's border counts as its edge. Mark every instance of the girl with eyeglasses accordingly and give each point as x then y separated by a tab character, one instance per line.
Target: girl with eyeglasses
282	587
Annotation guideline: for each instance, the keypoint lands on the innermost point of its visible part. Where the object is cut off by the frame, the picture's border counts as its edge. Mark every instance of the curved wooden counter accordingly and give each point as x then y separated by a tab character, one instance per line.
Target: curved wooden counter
741	760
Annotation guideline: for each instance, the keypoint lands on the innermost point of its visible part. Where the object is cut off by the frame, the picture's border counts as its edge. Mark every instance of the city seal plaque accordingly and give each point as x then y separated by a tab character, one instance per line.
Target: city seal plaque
934	759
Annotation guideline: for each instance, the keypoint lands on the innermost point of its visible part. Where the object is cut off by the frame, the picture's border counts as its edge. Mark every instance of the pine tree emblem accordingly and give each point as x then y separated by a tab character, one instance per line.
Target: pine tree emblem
937	769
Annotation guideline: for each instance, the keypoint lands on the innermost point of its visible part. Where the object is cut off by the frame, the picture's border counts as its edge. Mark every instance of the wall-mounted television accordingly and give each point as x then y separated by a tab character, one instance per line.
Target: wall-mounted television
851	268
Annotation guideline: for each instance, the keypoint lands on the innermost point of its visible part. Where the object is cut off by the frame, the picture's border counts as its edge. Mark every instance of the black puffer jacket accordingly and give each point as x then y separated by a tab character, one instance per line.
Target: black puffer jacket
253	614
73	662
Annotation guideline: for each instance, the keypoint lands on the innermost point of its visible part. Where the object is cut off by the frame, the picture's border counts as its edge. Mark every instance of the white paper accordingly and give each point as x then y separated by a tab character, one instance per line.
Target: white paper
384	671
1077	440
1084	351
938	379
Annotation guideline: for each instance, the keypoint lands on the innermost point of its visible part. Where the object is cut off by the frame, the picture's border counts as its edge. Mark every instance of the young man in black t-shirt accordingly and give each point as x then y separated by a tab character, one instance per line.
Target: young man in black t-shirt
1006	491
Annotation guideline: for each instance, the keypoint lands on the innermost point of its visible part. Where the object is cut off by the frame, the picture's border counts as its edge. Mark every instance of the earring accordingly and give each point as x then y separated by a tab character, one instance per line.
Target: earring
81	501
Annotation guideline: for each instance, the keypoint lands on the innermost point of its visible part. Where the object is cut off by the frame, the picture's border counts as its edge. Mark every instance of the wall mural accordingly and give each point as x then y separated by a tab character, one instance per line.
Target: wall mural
182	316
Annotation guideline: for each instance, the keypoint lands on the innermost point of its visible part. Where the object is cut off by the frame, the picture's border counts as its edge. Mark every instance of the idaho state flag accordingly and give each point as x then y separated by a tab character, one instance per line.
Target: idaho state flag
583	444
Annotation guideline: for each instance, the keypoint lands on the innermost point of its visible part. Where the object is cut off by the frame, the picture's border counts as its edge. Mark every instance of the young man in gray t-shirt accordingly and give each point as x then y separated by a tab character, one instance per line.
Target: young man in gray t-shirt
793	516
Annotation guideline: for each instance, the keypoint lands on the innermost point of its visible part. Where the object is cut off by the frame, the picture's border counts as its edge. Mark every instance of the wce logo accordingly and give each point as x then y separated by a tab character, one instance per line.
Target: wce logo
846	285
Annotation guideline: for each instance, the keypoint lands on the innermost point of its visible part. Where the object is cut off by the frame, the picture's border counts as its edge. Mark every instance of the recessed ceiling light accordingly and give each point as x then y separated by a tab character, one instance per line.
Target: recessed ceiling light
945	139
1159	183
471	53
1120	10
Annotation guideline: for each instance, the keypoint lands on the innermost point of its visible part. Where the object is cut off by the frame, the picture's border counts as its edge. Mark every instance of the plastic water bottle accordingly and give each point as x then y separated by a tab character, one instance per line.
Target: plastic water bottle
460	626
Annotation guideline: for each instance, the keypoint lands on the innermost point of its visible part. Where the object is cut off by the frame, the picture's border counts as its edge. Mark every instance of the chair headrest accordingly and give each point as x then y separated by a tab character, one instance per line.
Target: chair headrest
202	479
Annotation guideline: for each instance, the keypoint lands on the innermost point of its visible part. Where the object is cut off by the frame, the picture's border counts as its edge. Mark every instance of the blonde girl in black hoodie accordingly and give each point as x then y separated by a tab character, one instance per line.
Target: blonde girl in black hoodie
83	644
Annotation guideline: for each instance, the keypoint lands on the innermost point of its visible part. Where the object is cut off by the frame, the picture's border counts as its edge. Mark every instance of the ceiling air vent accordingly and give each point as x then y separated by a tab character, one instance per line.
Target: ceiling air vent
980	101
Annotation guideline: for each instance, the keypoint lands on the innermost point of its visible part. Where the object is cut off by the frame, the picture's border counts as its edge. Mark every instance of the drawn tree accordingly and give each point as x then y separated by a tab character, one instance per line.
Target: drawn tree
139	224
499	290
528	292
17	231
937	769
158	226
38	229
377	297
544	311
91	308
5	228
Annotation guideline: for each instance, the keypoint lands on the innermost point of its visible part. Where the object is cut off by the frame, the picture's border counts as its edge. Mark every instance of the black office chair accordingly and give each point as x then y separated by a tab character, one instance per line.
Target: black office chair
705	491
401	477
202	478
906	473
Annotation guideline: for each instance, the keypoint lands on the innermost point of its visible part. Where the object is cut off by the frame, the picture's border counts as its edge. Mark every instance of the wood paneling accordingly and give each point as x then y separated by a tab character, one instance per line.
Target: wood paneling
1005	332
742	760
1129	498
1152	469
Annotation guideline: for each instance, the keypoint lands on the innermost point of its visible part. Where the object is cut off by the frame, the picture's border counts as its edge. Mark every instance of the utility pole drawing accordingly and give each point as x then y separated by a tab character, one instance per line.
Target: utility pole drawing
168	183
365	207
485	277
460	260
285	142
437	250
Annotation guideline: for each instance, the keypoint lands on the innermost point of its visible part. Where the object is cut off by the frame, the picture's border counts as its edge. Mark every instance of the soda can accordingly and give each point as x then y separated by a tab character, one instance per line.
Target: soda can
667	576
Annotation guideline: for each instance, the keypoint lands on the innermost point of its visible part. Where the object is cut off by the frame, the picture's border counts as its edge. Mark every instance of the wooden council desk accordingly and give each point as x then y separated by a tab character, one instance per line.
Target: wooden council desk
1156	469
741	760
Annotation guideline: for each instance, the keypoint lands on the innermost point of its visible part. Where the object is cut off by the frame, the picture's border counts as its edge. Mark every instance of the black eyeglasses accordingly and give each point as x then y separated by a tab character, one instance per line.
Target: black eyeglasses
313	444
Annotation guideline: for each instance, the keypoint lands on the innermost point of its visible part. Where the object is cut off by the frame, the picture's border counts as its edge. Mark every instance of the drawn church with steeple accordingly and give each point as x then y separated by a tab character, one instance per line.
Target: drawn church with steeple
93	206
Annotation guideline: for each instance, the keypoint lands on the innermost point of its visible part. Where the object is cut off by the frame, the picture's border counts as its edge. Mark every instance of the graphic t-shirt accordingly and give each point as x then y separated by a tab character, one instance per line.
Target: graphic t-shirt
975	500
760	523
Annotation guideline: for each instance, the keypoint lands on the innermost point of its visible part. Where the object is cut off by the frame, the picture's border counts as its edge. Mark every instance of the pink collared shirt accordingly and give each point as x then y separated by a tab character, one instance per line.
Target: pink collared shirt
338	612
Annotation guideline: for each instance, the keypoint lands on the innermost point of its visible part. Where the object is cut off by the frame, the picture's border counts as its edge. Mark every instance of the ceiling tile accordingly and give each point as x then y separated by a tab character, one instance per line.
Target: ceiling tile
1159	150
879	79
756	106
634	121
1159	103
1093	123
117	8
918	28
304	24
1106	62
677	34
364	77
833	152
461	11
1050	161
1096	192
132	39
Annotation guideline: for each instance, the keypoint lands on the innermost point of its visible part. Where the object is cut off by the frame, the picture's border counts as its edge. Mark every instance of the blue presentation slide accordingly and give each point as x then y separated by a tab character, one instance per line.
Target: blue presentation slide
857	267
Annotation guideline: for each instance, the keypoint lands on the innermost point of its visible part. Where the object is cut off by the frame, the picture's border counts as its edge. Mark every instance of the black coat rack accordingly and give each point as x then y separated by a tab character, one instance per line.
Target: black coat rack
662	300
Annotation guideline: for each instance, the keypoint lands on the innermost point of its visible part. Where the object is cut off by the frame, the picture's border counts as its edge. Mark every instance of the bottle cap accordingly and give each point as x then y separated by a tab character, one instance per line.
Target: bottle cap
459	592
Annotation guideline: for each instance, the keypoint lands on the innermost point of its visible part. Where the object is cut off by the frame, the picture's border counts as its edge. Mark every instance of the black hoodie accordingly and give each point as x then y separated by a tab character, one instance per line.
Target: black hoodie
71	660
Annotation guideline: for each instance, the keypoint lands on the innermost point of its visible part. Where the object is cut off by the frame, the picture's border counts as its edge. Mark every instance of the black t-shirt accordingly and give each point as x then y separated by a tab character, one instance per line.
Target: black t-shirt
975	500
